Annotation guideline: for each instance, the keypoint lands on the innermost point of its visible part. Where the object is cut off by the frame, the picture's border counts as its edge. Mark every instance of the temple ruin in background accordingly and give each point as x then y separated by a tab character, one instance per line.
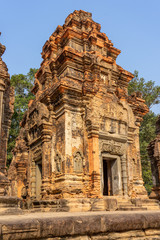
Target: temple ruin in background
79	140
6	111
8	204
154	155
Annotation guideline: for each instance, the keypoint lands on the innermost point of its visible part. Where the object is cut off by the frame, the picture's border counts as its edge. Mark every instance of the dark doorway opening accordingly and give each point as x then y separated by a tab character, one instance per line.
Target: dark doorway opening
107	178
38	179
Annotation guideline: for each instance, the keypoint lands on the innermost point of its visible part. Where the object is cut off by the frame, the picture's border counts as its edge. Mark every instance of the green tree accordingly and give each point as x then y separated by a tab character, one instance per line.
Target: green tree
147	134
151	94
22	85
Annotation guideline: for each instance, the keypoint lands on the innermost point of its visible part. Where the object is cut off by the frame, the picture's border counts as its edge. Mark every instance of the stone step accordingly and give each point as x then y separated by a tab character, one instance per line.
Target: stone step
124	206
125	203
151	207
150	200
133	208
123	200
150	204
129	202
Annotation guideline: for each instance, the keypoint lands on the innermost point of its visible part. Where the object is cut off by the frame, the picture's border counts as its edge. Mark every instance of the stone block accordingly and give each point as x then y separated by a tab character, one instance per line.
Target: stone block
82	226
110	204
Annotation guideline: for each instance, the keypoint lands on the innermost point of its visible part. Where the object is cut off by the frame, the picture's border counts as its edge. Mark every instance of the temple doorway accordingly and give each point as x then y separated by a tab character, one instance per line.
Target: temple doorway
38	179
111	176
107	177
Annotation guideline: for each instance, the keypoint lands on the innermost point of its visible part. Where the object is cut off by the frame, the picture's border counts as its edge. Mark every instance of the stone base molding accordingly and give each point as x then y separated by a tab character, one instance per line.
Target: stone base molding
82	226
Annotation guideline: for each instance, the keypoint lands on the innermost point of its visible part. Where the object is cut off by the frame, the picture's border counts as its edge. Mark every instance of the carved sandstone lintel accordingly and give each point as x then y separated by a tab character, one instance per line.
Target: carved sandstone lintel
113	148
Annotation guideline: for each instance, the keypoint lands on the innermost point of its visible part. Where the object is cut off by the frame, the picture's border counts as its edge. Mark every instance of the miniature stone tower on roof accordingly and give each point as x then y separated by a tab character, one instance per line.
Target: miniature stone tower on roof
79	139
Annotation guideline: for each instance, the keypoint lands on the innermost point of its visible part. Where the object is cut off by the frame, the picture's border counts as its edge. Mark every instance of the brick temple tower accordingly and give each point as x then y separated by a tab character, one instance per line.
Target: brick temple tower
154	155
8	204
79	139
6	111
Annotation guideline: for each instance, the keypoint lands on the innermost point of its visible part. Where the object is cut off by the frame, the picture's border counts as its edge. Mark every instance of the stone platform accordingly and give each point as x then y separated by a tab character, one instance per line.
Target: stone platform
94	204
141	225
10	205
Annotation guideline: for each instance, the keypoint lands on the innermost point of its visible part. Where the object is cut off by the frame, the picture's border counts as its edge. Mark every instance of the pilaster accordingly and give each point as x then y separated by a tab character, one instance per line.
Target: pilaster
94	161
124	175
46	158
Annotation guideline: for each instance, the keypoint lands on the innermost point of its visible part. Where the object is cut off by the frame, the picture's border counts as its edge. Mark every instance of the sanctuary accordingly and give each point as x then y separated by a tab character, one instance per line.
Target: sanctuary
78	147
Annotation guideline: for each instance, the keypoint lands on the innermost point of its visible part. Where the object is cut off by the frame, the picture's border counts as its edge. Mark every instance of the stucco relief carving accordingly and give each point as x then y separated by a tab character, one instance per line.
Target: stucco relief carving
58	163
104	78
78	162
112	111
21	143
37	154
72	72
38	115
34	133
43	112
33	118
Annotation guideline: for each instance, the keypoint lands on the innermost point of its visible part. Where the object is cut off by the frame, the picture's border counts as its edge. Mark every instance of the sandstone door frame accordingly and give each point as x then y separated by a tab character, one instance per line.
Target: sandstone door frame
107	177
116	177
37	159
38	169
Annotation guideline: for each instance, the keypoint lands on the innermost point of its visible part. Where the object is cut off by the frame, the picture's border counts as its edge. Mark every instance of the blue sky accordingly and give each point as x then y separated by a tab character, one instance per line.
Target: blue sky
132	25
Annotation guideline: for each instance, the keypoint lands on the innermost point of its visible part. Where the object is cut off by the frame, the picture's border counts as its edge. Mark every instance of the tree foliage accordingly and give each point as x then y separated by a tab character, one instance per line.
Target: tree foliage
22	85
151	94
147	134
